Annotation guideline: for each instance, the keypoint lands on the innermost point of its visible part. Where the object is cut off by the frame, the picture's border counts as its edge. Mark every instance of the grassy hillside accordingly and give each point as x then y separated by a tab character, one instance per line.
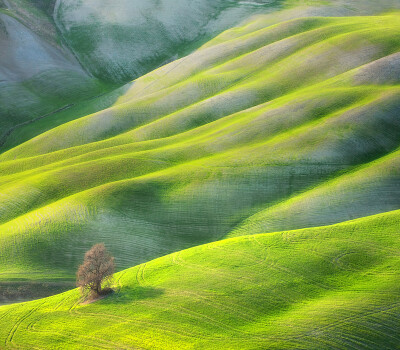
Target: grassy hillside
215	176
35	15
38	74
265	128
76	109
124	39
332	287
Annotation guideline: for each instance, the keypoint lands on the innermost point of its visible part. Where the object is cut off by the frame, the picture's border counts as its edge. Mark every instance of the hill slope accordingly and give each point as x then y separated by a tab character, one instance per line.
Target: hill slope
49	47
296	121
38	74
332	287
124	39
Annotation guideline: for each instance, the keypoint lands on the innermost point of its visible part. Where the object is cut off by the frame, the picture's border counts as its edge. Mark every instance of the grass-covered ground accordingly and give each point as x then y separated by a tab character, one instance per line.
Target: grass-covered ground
124	39
256	141
38	74
79	107
278	127
333	287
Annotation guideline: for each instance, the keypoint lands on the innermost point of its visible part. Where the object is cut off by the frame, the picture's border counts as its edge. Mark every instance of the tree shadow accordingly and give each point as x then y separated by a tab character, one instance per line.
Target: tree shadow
130	294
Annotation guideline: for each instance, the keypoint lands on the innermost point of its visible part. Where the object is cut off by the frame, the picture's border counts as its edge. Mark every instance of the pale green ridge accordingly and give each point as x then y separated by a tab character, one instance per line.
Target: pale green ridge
333	287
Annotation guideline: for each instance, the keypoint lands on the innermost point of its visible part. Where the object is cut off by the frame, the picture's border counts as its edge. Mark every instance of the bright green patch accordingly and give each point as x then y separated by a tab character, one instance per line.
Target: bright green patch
314	288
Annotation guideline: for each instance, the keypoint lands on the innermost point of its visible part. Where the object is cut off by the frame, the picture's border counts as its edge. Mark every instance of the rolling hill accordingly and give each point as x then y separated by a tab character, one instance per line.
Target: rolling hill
254	183
332	287
58	55
270	122
124	39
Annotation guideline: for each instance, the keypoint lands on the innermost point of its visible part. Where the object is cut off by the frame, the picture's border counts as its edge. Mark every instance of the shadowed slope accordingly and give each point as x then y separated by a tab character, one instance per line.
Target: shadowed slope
38	75
371	189
125	39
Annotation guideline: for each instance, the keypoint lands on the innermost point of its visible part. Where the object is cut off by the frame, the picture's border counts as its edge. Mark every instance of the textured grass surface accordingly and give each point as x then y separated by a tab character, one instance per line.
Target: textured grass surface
38	74
76	109
264	135
278	127
125	39
332	287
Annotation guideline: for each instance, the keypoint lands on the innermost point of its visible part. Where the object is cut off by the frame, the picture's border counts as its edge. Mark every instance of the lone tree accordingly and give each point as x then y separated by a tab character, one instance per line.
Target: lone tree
94	275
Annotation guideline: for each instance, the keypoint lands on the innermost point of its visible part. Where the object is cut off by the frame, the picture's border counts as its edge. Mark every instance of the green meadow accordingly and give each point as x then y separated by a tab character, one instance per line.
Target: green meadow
249	191
333	287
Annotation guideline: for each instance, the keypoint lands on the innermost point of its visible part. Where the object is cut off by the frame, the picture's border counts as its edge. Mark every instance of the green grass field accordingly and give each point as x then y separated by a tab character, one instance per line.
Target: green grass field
266	122
234	159
333	287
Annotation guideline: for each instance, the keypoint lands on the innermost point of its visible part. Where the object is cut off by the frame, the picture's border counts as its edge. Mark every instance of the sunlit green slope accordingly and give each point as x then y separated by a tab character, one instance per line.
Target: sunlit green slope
333	287
265	128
